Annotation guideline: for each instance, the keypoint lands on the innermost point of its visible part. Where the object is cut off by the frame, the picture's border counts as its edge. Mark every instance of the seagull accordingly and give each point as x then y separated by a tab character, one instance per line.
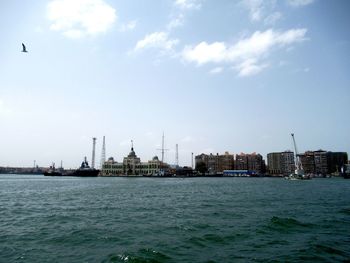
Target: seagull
24	48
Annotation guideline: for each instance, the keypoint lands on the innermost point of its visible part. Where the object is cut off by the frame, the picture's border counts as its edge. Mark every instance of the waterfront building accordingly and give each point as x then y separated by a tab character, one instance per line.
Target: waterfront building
241	162
308	162
214	163
335	161
280	163
219	163
132	166
320	160
253	162
226	162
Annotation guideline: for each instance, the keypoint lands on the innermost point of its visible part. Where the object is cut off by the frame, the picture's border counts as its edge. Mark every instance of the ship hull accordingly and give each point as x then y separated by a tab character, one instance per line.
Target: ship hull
85	173
53	174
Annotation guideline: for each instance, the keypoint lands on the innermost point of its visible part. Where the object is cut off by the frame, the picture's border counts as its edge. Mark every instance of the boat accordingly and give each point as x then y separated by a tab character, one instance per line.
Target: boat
299	173
53	171
85	170
345	171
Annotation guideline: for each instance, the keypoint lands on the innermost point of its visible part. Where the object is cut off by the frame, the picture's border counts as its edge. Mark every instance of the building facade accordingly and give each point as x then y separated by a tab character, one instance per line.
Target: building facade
215	163
280	163
132	166
220	163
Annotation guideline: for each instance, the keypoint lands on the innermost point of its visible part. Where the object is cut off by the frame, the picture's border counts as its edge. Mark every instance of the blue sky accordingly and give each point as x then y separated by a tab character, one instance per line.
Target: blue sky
215	76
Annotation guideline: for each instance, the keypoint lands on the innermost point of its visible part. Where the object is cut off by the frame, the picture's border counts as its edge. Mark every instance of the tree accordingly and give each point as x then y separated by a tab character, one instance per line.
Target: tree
201	167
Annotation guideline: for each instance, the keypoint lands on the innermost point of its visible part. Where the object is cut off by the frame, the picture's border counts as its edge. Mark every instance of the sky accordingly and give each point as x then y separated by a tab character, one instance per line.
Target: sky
214	76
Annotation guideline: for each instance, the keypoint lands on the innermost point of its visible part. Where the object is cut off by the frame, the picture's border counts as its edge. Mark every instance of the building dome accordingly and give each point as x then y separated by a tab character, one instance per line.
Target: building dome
132	154
155	158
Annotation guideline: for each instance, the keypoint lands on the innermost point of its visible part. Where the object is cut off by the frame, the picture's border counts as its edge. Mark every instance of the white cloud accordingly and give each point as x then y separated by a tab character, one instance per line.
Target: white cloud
216	70
176	22
128	26
188	4
298	3
246	53
249	67
255	8
79	18
156	40
262	10
273	18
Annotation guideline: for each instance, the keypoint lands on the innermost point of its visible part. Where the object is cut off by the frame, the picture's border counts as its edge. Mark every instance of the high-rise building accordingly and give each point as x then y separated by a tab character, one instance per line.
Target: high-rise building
335	161
226	162
280	163
241	162
320	160
308	162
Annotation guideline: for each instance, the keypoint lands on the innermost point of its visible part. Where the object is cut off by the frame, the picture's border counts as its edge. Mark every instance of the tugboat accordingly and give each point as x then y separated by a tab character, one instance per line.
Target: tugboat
52	171
85	170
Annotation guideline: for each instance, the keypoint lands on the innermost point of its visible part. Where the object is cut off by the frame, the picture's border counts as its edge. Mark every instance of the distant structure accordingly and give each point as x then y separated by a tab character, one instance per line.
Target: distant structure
192	160
177	155
93	152
162	149
103	153
215	163
281	163
319	163
132	166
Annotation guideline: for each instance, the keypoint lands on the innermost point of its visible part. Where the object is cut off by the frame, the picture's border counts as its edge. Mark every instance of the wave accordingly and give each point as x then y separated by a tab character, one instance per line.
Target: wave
145	255
287	224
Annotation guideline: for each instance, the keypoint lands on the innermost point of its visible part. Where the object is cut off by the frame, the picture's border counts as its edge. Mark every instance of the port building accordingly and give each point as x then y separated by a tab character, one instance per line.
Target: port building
132	166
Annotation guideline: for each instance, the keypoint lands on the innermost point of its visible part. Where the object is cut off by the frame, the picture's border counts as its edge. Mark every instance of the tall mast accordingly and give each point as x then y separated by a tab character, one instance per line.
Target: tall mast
163	149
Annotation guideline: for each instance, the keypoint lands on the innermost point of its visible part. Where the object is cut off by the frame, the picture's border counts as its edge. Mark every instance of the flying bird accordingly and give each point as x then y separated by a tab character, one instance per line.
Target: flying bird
24	48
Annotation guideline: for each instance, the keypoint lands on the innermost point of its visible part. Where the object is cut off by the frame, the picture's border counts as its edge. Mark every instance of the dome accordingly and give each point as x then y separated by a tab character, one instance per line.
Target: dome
155	158
132	154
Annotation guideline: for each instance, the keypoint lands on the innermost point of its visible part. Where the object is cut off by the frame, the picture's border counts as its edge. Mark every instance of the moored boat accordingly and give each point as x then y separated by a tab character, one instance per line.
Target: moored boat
85	170
53	171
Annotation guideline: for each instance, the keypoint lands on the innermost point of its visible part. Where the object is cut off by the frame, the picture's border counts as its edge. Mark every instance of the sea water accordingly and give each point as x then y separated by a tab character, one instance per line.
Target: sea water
67	219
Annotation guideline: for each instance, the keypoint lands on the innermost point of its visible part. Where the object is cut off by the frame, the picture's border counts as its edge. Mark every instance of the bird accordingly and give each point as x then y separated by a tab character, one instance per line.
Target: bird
24	48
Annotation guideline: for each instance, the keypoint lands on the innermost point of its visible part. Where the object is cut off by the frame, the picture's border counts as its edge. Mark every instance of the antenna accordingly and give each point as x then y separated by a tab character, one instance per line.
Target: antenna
177	155
103	153
163	150
93	152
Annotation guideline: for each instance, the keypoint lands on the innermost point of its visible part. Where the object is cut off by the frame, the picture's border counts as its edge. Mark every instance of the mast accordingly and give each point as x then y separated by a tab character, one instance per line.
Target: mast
163	150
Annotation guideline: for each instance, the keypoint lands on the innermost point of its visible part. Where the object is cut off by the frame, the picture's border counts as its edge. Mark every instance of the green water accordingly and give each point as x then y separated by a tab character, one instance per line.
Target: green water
60	219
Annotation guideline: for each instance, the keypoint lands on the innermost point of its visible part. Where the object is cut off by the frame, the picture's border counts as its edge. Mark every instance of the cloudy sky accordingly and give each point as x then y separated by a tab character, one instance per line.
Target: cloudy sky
215	76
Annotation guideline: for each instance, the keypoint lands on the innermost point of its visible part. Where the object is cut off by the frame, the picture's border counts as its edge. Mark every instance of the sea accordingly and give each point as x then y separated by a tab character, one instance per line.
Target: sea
70	219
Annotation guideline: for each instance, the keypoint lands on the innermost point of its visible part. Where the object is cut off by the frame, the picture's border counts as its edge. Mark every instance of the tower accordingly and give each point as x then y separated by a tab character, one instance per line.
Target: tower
177	155
93	152
103	153
192	160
